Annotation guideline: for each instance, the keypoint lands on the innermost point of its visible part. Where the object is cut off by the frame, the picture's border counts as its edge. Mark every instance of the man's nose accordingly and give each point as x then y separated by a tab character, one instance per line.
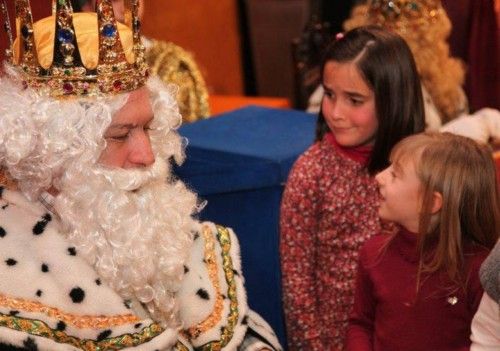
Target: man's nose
142	155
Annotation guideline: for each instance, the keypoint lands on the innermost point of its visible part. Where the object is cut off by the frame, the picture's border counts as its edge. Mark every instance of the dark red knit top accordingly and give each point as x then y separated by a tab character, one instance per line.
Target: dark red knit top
388	313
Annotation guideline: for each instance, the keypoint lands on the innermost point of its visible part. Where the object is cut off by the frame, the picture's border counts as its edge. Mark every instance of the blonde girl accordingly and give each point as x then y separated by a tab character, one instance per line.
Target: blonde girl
419	289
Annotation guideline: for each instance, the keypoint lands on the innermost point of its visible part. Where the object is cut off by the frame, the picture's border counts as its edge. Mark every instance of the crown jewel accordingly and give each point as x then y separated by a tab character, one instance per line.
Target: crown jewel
403	14
69	71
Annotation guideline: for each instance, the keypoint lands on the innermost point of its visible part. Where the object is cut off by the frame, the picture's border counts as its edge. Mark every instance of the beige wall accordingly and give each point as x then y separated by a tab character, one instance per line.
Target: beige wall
209	30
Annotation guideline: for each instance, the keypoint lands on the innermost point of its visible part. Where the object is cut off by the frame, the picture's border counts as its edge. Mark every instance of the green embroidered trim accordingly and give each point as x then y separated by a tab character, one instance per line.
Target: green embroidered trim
39	328
232	319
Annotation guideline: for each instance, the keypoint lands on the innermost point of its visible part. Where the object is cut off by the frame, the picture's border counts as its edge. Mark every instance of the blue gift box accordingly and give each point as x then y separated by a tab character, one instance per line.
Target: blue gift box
239	163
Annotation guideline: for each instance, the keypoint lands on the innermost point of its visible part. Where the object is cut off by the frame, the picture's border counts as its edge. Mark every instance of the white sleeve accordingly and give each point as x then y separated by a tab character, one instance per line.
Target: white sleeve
482	126
486	326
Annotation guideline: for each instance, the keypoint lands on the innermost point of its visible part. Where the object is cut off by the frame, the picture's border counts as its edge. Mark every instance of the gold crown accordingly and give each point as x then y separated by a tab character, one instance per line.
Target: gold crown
401	15
58	60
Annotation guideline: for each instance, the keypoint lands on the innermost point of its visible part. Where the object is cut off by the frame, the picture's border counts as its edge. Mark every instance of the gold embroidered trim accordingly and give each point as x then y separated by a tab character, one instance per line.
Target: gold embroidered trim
95	322
7	181
224	239
39	328
210	259
179	346
232	318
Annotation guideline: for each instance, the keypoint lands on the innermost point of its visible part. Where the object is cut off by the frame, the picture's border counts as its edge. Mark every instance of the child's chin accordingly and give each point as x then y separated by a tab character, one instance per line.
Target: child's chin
383	215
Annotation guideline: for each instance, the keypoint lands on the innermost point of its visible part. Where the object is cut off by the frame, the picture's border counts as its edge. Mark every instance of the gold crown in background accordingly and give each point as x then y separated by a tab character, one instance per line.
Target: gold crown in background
402	15
57	60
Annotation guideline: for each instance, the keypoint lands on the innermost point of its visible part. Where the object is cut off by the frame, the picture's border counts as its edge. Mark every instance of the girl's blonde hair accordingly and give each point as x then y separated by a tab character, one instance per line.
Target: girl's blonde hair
464	173
441	74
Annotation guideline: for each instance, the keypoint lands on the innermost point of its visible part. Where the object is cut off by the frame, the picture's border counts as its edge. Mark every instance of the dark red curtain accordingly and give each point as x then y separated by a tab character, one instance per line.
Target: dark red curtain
39	8
475	39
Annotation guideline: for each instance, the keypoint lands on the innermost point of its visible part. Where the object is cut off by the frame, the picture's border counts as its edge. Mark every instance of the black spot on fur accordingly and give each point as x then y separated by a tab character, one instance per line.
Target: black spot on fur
5	206
39	293
138	325
104	335
40	225
186	269
45	268
71	251
2	232
11	262
14	313
244	321
196	236
235	272
98	281
10	347
77	295
30	344
223	296
127	303
203	294
61	326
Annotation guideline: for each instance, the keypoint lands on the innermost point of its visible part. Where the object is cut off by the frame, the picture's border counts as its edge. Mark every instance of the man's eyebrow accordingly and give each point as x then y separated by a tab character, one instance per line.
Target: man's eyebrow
129	125
123	126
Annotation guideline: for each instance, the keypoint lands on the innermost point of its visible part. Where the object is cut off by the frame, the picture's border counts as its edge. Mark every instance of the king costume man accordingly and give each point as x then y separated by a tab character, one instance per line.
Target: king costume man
98	246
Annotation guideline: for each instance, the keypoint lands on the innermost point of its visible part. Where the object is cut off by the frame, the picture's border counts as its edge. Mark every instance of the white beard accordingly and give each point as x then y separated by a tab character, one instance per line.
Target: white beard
135	228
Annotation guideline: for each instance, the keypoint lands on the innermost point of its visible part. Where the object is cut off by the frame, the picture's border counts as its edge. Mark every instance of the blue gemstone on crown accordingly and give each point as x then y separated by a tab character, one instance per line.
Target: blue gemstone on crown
413	6
108	30
65	35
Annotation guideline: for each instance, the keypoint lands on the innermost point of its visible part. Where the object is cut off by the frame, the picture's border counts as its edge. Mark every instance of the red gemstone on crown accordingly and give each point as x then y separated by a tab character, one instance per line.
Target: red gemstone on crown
117	85
67	88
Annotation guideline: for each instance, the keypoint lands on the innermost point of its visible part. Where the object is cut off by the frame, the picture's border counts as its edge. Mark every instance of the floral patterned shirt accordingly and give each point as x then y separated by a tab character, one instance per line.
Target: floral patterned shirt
329	208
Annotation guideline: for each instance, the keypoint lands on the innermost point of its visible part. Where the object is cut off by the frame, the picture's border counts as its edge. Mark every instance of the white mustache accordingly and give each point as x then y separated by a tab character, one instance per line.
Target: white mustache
134	179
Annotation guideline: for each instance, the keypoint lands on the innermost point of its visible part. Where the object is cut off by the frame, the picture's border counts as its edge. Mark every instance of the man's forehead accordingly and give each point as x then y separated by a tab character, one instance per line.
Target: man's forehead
137	109
139	94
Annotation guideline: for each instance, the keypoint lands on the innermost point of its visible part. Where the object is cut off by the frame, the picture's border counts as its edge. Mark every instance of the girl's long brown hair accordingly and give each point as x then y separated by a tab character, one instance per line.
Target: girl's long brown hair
386	64
464	173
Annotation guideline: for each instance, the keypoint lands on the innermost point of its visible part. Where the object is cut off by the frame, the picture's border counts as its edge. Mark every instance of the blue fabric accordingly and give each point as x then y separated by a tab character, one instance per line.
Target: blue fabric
239	163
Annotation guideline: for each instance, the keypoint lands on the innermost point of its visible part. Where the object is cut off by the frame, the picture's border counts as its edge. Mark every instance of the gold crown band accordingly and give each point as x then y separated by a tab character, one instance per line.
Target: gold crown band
66	74
402	15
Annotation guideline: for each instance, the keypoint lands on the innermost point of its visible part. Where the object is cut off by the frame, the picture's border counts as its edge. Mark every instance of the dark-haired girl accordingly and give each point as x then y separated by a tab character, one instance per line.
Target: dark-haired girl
372	100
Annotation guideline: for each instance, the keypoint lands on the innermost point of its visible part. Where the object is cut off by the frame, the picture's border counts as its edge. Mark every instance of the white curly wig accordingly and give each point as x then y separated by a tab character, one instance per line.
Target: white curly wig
134	226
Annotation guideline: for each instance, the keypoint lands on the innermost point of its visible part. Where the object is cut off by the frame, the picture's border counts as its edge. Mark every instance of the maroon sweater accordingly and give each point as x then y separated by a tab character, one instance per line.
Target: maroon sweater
390	316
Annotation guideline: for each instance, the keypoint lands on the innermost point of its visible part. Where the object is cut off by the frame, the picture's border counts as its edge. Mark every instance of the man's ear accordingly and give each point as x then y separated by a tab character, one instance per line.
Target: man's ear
437	202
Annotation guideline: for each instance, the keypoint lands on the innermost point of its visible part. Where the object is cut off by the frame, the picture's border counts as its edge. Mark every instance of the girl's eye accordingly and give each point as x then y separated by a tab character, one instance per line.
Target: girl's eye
328	93
356	102
393	174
